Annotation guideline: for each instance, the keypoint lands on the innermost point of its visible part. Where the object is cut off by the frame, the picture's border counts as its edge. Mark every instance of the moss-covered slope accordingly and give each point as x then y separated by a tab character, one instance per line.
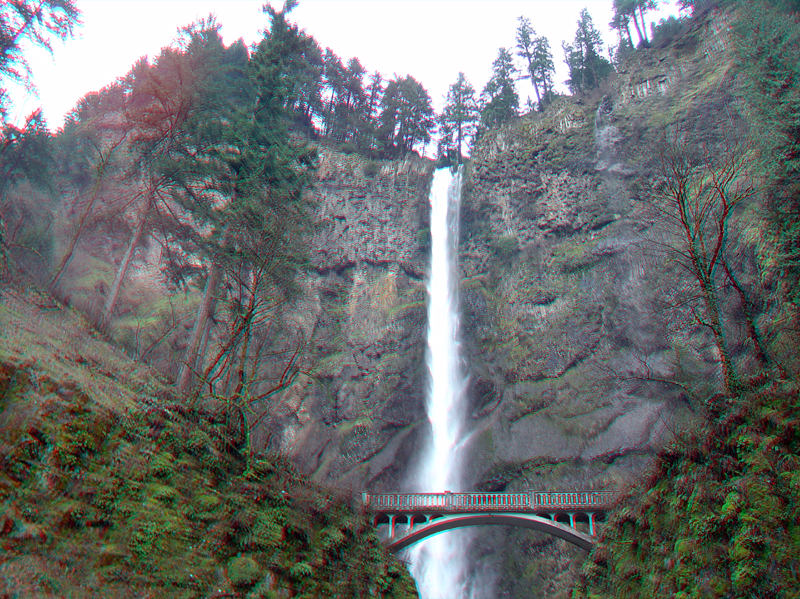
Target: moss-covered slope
109	487
720	516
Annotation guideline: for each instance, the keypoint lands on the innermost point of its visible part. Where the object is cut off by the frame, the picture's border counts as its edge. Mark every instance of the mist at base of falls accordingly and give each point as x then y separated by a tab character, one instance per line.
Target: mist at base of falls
437	563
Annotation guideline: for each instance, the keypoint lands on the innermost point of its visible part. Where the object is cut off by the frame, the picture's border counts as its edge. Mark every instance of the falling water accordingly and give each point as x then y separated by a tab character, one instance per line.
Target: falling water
437	564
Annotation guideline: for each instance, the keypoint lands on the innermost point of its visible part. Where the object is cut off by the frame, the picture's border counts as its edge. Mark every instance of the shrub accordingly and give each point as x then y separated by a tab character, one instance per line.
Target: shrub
505	245
371	168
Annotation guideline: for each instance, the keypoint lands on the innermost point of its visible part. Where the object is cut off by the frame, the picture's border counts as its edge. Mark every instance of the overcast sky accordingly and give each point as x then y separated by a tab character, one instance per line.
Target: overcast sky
431	40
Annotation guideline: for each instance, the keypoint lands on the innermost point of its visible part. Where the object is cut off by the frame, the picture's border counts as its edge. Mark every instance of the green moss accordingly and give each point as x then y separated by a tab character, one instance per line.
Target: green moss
243	570
176	507
424	238
505	246
718	511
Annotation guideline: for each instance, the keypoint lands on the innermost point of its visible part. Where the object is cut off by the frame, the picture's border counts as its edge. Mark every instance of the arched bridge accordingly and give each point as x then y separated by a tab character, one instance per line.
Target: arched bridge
403	519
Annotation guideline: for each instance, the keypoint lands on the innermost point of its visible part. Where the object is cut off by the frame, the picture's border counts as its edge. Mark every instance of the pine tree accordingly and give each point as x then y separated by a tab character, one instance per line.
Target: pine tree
587	68
458	121
499	97
407	119
626	11
535	50
241	179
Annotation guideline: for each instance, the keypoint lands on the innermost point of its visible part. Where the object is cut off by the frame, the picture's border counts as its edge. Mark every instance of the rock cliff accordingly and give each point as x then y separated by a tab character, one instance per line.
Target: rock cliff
576	325
357	418
576	329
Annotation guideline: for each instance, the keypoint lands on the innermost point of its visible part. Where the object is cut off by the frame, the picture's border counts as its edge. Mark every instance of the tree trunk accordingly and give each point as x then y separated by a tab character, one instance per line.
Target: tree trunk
203	313
122	271
536	89
67	256
98	184
749	318
729	373
644	25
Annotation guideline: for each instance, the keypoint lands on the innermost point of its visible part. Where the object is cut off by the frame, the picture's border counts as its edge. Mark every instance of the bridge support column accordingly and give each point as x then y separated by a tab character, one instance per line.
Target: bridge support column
571	519
591	523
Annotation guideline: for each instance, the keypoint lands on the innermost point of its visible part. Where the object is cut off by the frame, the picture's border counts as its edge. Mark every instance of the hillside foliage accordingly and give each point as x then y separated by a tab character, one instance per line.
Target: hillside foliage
112	487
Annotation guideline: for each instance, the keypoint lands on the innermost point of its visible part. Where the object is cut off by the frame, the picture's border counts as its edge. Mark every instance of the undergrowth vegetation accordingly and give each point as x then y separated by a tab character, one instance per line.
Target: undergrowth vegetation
152	498
720	516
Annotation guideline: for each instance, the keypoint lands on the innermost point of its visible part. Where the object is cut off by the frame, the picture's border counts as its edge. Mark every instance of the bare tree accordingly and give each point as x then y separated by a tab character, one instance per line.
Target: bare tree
695	206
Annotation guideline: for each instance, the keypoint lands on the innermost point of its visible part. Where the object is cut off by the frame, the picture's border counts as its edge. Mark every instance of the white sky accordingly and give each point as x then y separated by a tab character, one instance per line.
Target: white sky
430	40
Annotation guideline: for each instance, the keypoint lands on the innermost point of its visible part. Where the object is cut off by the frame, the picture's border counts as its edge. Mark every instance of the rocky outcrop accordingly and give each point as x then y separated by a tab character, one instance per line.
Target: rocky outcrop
577	328
355	418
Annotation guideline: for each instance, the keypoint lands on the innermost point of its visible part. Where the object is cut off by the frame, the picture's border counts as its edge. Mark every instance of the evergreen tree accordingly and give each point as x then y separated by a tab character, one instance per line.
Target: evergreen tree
499	97
621	23
587	68
335	84
407	119
24	22
459	119
25	154
626	11
369	114
238	176
535	50
305	100
354	97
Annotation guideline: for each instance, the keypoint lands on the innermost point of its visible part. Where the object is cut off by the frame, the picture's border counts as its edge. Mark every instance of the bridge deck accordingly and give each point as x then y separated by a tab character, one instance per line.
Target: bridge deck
533	501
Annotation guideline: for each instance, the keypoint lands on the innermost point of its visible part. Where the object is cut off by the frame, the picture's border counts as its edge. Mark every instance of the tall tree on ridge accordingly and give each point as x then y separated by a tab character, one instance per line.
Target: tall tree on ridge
459	119
626	11
406	118
587	68
499	97
535	50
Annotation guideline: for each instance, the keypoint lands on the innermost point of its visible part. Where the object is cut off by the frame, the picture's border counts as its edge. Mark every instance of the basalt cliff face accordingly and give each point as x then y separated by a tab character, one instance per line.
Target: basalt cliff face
361	322
576	331
584	353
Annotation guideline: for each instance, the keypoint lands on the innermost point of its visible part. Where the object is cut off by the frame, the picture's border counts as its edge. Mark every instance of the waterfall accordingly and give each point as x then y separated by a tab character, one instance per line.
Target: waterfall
437	562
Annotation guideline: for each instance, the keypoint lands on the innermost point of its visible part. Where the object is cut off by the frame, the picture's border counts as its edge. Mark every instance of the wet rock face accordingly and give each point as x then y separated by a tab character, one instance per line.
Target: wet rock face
371	212
572	312
354	420
574	319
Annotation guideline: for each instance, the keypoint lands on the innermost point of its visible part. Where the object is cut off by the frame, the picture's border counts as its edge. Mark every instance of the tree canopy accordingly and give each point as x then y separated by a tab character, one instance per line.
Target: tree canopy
499	97
36	23
587	68
535	51
458	121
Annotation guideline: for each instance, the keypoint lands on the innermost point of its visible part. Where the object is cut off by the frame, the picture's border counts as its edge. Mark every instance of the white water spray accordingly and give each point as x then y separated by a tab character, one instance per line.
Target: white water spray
437	562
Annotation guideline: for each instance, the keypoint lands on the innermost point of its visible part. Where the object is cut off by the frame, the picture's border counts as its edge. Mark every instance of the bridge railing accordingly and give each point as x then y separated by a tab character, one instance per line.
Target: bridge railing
461	502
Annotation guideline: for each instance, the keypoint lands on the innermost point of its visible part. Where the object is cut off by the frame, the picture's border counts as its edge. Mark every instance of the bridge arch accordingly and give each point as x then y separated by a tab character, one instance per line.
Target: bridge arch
531	521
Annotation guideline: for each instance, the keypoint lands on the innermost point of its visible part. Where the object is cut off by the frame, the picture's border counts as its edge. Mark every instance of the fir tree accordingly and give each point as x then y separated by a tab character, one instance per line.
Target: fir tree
458	121
535	50
499	97
587	68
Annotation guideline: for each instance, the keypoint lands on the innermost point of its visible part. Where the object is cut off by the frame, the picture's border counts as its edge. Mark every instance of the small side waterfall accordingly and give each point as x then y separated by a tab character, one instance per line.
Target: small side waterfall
437	562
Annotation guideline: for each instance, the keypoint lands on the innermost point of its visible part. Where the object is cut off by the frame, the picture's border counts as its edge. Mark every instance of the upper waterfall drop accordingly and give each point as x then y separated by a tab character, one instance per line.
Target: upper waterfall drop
438	566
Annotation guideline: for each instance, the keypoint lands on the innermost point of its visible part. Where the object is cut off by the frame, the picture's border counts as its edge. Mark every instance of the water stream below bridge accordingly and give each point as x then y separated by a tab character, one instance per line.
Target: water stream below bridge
437	563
